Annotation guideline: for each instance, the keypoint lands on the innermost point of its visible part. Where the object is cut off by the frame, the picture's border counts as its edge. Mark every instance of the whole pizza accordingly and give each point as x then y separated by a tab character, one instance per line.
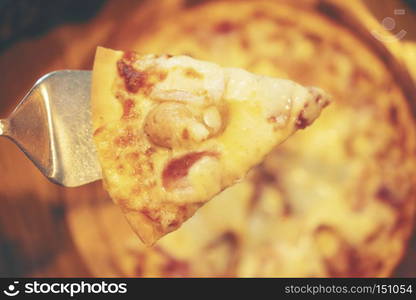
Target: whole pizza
337	199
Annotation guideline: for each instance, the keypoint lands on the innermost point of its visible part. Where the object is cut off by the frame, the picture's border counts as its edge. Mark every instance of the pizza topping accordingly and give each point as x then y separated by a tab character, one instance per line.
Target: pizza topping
198	131
98	131
227	246
212	119
189	81
225	27
133	79
393	115
173	124
342	258
171	265
302	122
130	56
178	168
388	196
126	139
128	107
192	73
165	122
177	95
138	77
309	112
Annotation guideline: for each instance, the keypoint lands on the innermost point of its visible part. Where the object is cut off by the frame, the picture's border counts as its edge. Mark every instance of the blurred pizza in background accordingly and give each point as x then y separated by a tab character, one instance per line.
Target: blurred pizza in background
336	200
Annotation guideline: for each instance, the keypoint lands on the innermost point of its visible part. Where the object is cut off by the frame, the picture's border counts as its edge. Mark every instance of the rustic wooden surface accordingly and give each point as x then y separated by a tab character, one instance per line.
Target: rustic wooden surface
35	239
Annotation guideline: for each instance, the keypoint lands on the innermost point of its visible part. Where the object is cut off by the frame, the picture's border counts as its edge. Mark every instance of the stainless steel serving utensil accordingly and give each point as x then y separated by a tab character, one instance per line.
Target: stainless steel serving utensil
52	126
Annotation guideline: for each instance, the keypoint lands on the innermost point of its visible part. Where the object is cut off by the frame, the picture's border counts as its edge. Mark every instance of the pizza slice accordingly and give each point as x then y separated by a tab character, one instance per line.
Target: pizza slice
172	132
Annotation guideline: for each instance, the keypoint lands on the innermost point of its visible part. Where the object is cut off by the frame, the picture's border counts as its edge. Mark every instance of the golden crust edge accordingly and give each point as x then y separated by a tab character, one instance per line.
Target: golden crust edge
148	231
103	102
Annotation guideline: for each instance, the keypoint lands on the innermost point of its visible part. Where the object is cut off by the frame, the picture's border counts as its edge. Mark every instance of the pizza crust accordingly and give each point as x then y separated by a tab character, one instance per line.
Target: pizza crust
105	108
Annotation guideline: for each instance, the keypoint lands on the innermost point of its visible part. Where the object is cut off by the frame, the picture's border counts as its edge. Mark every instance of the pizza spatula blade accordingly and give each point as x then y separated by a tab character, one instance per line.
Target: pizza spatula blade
52	126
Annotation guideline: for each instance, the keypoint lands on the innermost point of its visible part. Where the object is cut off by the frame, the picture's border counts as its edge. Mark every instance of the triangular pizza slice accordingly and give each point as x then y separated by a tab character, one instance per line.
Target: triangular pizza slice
172	132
